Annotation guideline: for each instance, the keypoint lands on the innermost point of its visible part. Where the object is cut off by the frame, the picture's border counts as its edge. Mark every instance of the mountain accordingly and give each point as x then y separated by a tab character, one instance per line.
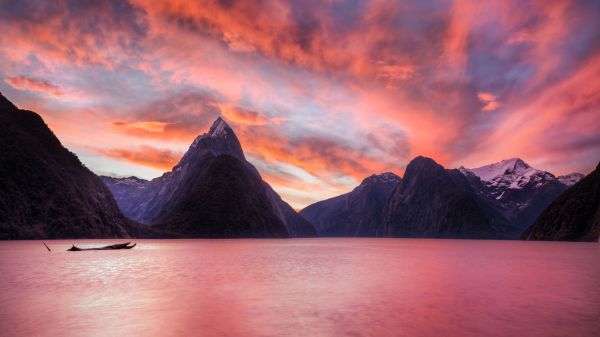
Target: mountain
127	191
197	199
222	199
45	191
516	190
357	213
573	216
433	202
570	179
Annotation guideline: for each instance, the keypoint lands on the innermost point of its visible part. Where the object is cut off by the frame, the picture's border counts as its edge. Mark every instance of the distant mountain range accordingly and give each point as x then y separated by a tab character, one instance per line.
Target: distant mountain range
518	191
499	200
214	192
357	213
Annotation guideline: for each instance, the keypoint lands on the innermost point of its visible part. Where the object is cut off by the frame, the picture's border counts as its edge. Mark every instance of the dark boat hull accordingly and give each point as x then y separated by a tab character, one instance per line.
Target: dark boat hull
110	247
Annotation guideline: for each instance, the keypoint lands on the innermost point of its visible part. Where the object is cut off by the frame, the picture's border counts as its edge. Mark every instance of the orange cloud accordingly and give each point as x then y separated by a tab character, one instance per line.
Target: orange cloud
490	100
299	192
486	97
319	156
239	115
144	155
148	126
236	44
491	106
32	84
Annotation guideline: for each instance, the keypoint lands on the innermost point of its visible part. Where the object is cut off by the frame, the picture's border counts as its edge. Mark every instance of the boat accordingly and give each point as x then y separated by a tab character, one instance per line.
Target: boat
125	245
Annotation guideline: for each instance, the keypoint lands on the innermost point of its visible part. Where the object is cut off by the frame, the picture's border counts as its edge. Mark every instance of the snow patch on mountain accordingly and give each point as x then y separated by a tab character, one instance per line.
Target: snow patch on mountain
510	173
127	181
492	171
386	177
570	179
219	128
515	189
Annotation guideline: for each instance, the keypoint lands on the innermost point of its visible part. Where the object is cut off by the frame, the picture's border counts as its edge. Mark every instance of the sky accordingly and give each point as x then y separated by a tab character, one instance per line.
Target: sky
320	93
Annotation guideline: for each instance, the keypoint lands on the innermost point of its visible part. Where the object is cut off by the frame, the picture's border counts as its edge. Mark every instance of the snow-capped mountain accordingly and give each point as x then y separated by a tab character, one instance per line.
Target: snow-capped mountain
212	191
519	191
513	174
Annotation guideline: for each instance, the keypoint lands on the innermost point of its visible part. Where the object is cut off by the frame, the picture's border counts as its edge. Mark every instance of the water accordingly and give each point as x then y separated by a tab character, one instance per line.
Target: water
303	287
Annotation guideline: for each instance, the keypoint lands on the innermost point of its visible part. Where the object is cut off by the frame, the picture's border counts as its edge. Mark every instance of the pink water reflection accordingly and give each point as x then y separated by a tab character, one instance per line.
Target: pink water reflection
307	287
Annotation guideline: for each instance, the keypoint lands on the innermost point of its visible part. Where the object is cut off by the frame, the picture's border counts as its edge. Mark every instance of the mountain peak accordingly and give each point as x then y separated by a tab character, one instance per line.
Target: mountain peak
220	139
491	171
421	168
517	163
386	177
219	128
421	162
5	103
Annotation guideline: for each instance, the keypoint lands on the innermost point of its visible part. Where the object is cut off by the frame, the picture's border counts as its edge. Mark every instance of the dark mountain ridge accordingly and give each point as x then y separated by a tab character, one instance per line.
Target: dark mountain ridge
573	216
432	202
45	191
357	213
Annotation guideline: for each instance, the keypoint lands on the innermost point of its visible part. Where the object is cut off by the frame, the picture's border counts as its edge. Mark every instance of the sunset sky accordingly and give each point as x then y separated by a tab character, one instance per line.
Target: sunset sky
320	93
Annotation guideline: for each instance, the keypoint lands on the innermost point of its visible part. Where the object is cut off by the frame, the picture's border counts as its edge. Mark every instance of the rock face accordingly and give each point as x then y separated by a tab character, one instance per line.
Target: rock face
354	214
432	202
516	190
45	191
223	199
573	216
180	201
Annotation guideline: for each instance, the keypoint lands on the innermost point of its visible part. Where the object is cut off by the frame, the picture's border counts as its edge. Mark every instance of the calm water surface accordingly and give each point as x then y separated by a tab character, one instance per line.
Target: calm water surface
302	287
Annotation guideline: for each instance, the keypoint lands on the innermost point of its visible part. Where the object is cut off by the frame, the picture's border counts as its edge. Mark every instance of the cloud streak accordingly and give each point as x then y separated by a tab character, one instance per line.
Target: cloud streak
147	156
33	84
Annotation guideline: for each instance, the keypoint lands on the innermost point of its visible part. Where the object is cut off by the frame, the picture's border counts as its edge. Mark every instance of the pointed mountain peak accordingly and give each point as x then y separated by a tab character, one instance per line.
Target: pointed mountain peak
516	163
219	128
220	139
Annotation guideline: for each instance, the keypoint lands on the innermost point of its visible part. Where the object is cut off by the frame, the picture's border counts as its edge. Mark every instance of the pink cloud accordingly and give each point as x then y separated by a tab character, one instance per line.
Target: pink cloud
33	84
489	100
